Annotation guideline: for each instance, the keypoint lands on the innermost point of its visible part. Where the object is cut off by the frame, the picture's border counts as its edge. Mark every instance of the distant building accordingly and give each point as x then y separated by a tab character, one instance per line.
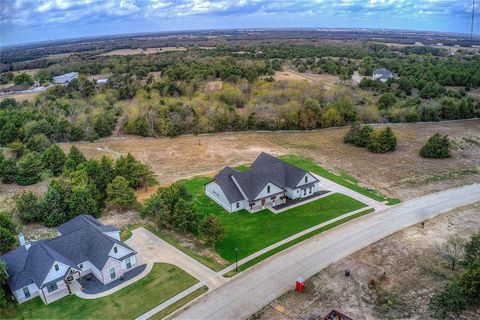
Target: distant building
65	78
382	74
418	43
102	81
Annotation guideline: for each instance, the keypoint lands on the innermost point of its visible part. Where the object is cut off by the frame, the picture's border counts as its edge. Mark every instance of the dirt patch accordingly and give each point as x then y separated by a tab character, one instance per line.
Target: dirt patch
289	74
126	52
401	174
213	85
391	279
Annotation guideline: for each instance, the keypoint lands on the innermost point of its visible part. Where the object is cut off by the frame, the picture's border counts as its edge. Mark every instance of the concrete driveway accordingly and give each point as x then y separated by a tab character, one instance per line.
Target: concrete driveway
151	248
256	287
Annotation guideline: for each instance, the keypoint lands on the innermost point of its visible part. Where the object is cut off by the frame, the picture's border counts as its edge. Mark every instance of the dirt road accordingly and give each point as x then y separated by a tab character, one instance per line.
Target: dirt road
256	287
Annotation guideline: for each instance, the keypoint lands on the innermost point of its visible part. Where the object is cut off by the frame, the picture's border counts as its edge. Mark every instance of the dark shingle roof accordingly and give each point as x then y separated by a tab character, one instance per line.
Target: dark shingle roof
82	221
88	242
266	168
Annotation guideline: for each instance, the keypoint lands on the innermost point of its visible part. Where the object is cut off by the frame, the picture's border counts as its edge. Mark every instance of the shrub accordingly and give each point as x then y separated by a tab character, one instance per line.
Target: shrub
23	79
8	170
82	201
383	141
27	207
29	169
75	157
386	100
53	208
359	136
436	147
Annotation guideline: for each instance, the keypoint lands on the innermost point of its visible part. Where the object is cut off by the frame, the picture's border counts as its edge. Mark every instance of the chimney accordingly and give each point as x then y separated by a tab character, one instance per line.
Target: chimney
21	238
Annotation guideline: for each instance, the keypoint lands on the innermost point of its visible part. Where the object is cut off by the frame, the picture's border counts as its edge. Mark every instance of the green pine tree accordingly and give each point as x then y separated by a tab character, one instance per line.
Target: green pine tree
54	159
29	168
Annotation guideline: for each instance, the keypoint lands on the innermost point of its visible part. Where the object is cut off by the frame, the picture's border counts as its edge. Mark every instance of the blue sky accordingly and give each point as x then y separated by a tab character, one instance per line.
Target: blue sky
38	20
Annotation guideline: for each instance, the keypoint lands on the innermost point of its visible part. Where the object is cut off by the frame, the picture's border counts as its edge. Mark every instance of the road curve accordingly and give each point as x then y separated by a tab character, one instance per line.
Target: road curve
259	285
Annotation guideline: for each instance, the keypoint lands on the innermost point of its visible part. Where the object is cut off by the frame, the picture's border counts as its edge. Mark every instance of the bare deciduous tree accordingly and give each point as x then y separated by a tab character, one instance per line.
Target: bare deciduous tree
453	251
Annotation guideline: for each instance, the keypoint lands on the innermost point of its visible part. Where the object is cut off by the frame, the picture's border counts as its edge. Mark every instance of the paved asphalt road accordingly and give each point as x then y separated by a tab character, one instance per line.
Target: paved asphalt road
259	285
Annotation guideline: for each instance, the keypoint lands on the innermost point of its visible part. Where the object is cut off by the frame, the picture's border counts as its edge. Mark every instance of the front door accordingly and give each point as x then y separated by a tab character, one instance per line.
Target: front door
26	292
263	202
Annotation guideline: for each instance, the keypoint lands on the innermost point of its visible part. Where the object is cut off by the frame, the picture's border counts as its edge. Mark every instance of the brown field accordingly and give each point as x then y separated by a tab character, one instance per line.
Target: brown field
126	52
414	270
289	74
401	174
213	85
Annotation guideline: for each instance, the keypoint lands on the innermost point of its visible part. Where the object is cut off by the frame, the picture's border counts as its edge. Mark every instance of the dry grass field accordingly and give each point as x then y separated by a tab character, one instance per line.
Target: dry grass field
391	279
288	74
21	96
401	174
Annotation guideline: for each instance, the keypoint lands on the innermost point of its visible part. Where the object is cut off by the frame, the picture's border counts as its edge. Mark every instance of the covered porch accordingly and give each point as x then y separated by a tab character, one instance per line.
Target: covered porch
267	202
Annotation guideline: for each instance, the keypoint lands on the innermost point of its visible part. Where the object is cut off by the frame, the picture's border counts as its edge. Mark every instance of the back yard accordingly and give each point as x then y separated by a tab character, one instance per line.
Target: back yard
162	283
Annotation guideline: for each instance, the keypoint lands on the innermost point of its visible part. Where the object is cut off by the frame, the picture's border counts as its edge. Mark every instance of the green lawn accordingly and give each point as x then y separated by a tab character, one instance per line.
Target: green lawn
284	246
252	232
343	179
162	283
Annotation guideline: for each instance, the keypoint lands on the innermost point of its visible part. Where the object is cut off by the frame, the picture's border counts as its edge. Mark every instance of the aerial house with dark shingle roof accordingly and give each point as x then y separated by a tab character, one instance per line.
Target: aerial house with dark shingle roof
269	182
49	268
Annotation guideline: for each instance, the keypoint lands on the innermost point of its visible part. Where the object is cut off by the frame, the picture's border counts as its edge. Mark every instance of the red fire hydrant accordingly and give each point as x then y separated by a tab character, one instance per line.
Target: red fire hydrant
300	285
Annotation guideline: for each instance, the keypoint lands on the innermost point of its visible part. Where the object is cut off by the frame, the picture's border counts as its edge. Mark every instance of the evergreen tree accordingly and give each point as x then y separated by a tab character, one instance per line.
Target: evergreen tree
3	280
135	172
29	168
27	207
156	209
54	159
472	251
17	149
38	143
119	193
211	230
436	147
53	208
184	216
82	201
8	232
383	141
8	170
75	156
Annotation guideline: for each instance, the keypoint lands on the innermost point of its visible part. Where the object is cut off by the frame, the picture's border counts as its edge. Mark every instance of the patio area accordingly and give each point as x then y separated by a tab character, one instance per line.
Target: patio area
294	202
94	286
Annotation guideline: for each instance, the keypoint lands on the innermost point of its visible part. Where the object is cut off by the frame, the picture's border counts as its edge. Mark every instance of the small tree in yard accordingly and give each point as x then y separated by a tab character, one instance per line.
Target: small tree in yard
27	207
359	136
383	141
436	147
453	251
119	193
211	230
54	159
29	169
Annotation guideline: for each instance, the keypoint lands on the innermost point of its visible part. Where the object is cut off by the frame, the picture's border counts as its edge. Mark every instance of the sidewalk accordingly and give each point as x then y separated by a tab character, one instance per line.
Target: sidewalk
295	236
170	301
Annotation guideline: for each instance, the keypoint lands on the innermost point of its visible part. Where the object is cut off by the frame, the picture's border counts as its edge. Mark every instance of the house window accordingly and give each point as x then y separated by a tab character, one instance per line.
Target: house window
115	249
57	267
128	263
304	191
306	179
238	205
268	189
52	287
26	292
112	273
310	190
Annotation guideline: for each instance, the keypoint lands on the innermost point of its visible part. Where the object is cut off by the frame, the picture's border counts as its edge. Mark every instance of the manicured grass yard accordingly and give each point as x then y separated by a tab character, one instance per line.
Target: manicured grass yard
162	283
252	232
344	180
